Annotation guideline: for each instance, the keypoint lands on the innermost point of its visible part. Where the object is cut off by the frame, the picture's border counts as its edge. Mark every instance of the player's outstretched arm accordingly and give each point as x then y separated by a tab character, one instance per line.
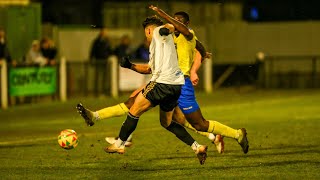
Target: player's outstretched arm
140	68
178	25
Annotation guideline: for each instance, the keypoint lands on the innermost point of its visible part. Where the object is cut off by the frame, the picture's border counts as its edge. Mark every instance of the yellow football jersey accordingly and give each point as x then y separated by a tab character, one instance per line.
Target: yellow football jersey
185	51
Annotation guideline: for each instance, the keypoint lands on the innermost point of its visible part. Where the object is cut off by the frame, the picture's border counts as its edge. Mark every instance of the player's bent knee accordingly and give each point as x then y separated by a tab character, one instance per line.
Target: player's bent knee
129	102
200	127
164	123
197	127
179	120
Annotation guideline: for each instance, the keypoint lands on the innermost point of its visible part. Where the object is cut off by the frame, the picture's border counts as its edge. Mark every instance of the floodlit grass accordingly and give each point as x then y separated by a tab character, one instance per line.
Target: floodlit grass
283	130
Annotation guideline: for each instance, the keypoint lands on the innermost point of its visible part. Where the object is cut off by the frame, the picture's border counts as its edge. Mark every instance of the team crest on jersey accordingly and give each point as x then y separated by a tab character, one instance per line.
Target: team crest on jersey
178	73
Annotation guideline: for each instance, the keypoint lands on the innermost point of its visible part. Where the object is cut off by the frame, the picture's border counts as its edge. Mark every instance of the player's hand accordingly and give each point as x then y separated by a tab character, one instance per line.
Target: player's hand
125	62
194	78
153	7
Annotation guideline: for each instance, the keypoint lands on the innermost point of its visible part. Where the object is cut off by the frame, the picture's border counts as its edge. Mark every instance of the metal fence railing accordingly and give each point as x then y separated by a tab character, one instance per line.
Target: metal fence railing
4	84
93	78
291	71
80	78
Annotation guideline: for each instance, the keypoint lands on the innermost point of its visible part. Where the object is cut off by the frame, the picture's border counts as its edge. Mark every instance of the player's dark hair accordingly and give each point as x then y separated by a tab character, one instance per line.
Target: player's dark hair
152	20
183	14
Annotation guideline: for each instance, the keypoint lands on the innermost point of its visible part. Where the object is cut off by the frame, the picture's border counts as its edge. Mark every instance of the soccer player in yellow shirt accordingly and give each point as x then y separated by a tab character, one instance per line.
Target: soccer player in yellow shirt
188	107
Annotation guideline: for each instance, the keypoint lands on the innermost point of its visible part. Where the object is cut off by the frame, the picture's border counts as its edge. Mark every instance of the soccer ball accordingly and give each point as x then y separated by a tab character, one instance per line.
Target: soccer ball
68	139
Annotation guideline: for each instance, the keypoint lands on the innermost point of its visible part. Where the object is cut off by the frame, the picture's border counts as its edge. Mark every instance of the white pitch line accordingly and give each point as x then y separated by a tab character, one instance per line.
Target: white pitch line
26	141
34	140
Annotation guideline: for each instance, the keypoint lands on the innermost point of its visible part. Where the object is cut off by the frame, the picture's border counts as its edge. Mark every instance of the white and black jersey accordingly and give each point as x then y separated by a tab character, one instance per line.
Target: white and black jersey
164	60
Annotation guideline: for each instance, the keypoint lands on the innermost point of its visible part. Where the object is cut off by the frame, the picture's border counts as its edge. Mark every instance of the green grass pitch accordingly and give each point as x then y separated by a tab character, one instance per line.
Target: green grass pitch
283	129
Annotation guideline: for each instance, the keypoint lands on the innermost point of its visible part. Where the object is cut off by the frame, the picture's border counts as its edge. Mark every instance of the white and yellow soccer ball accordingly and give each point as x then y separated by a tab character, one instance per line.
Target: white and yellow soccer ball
68	139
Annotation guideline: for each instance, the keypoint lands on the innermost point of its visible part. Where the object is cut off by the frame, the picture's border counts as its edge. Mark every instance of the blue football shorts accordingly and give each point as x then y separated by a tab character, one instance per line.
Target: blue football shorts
187	100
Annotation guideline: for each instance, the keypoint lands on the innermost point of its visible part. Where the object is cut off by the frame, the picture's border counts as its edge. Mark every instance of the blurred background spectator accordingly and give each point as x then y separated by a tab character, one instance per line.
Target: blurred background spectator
124	48
48	50
99	53
34	55
142	52
4	51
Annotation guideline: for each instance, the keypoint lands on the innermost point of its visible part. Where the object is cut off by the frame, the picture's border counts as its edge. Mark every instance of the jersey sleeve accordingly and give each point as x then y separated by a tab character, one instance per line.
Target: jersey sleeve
157	35
194	36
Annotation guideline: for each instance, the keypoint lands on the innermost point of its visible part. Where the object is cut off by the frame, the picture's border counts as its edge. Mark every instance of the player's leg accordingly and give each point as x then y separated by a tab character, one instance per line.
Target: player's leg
183	135
140	106
167	105
199	123
188	104
192	112
217	140
119	109
108	112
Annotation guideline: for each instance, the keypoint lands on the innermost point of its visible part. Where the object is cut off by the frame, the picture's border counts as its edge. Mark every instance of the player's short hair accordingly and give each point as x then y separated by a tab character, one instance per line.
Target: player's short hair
152	20
183	14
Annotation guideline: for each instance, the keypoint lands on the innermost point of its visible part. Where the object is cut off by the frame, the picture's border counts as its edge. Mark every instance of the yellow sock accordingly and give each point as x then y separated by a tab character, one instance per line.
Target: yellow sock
113	111
188	125
218	128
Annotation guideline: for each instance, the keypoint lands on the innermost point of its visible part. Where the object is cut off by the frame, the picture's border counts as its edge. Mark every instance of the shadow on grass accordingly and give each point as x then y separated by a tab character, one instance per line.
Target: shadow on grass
304	148
298	152
254	153
253	165
259	155
282	146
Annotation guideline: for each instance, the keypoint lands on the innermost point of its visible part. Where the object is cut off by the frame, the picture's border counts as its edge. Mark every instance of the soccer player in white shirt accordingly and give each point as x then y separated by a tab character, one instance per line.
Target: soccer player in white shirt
163	89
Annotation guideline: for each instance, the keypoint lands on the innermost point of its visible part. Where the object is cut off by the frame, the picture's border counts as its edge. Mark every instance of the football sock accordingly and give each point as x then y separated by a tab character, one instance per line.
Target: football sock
129	138
212	137
112	111
218	128
188	125
128	126
119	143
96	115
195	145
181	133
